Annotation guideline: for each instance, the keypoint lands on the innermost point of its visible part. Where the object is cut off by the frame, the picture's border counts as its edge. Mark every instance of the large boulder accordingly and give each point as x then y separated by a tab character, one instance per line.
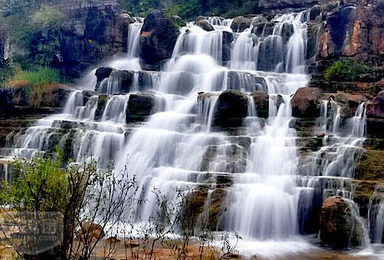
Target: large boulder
203	24
240	23
231	109
338	227
140	106
103	73
261	100
306	102
157	39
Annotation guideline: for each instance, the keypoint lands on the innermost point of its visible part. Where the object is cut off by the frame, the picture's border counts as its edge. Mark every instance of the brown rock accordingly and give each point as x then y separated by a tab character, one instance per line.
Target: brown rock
306	102
337	226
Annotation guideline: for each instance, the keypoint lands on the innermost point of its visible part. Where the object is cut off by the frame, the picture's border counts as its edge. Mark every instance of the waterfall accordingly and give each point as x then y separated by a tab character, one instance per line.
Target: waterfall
379	227
253	175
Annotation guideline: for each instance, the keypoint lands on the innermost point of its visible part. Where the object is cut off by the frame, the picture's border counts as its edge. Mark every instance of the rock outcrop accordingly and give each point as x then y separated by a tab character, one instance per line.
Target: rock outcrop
261	99
375	116
240	23
203	24
231	109
337	226
140	106
157	39
351	29
306	102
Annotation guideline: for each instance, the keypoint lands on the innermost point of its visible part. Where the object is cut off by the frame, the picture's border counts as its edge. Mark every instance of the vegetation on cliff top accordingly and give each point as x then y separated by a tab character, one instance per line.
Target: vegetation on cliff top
190	9
34	84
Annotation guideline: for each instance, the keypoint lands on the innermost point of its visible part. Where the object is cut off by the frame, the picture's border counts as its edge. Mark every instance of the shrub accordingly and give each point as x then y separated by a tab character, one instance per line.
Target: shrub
345	70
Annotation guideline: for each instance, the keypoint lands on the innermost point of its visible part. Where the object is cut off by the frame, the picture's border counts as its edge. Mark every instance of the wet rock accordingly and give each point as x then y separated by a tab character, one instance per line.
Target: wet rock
231	108
227	42
240	23
244	81
103	73
145	80
140	106
337	227
157	39
101	103
121	81
65	124
203	24
261	99
306	102
87	94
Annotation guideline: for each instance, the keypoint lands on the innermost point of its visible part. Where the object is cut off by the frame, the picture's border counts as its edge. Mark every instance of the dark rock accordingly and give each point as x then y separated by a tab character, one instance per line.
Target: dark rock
121	80
90	32
375	116
157	39
337	226
231	108
200	18
145	80
55	97
101	103
240	23
203	24
306	102
227	41
261	99
103	73
140	106
178	21
375	109
87	94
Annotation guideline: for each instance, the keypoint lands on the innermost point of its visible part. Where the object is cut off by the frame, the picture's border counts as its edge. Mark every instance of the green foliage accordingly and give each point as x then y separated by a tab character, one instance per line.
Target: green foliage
42	76
36	31
34	84
187	9
47	17
345	70
38	185
6	72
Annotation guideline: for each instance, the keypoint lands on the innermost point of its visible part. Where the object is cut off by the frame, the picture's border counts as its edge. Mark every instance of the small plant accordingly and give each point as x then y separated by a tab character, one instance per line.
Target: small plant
345	70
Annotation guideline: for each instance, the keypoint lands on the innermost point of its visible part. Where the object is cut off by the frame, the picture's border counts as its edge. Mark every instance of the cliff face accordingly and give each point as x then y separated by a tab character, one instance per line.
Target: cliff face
354	30
94	30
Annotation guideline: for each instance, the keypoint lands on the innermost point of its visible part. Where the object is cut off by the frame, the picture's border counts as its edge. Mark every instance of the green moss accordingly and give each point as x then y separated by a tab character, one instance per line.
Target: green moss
370	166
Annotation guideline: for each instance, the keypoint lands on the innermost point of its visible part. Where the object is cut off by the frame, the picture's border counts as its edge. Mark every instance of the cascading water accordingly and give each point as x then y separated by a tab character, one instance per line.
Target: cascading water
264	197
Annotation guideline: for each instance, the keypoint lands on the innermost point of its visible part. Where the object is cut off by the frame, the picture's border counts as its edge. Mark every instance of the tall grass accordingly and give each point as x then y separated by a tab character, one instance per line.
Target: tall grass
35	83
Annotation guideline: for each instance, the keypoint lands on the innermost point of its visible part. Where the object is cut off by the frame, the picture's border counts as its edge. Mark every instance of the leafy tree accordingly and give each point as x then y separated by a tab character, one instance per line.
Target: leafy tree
93	202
